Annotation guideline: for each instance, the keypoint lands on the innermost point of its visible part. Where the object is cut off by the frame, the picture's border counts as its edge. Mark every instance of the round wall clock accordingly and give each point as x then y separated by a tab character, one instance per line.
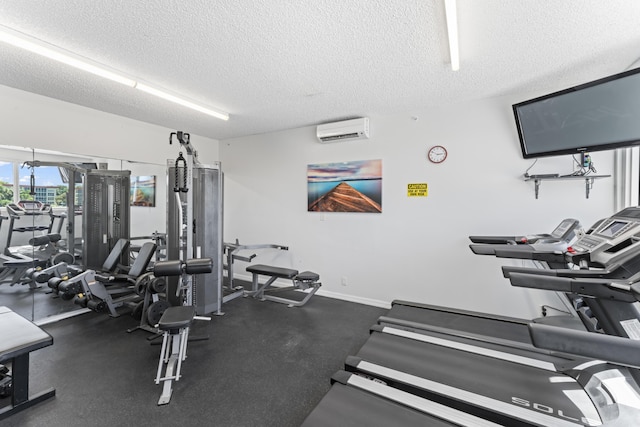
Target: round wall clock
437	154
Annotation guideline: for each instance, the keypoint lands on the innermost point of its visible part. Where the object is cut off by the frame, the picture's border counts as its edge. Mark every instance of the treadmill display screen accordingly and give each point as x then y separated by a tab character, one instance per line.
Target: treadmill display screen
562	229
613	228
30	205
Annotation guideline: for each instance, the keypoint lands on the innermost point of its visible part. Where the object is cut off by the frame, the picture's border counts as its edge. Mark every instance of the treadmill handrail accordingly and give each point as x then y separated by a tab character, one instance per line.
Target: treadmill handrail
508	269
394	323
496	240
530	252
562	272
483	249
595	288
612	349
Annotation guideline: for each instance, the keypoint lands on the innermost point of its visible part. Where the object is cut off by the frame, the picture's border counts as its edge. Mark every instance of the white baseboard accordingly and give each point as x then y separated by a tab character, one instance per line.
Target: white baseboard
62	316
353	298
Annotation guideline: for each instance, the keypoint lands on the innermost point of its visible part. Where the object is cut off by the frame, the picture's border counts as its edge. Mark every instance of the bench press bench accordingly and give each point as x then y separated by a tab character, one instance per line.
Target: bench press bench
19	337
302	281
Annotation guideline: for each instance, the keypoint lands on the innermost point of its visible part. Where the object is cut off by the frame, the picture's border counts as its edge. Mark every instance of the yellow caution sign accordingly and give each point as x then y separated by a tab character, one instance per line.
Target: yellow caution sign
417	190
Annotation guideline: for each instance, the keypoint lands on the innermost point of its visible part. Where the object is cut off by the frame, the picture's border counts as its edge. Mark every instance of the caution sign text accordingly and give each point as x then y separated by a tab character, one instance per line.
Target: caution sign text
417	190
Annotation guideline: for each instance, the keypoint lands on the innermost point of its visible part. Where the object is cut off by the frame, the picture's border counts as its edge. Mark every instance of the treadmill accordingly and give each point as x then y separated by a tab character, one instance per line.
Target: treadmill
579	379
355	400
437	378
502	327
608	261
609	251
513	388
564	232
478	373
546	251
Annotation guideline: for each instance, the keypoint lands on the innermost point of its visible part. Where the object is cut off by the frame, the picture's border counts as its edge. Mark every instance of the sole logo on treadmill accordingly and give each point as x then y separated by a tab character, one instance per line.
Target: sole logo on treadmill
549	410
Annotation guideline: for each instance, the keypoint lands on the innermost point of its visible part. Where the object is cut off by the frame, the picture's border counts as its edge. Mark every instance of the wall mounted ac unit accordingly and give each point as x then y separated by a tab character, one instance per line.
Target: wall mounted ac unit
343	131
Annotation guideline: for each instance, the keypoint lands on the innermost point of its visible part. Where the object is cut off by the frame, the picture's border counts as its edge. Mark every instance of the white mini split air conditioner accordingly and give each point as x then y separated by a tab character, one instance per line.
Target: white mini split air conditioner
343	131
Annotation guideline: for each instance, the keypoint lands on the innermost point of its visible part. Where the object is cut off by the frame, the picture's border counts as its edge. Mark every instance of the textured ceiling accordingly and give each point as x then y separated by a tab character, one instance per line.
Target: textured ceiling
281	64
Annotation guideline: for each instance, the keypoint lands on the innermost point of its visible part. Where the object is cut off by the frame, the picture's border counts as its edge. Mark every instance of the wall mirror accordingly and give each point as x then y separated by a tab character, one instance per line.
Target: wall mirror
42	221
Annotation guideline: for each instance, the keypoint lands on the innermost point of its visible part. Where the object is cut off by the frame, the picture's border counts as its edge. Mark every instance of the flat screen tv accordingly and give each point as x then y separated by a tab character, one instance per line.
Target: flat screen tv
600	115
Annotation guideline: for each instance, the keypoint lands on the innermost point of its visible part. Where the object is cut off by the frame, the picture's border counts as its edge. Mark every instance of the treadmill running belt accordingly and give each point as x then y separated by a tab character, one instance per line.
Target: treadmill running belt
346	406
493	383
468	322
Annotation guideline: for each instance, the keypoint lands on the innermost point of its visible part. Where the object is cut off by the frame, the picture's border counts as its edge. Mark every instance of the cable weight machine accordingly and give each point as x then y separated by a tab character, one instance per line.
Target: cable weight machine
105	210
194	227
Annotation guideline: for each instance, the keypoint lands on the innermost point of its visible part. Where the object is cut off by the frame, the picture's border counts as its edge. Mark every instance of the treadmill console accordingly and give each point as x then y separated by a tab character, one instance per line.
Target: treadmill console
566	230
28	207
613	239
33	207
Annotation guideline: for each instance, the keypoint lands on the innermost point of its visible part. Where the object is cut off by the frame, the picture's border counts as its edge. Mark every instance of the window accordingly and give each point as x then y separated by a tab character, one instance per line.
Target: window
6	183
48	186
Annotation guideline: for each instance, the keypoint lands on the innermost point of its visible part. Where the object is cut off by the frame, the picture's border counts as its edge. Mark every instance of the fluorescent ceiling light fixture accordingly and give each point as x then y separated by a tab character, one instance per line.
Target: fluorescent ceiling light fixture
47	50
169	97
38	47
452	32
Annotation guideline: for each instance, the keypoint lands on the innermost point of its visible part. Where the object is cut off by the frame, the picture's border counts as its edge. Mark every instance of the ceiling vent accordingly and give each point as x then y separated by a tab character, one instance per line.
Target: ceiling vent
346	130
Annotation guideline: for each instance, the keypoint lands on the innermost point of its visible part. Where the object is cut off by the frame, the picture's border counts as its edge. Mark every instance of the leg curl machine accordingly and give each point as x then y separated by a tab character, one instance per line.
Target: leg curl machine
100	292
175	323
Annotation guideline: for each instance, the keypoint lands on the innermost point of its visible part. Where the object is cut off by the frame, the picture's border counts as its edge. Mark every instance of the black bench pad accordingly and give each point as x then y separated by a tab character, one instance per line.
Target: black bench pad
19	335
19	338
268	270
176	317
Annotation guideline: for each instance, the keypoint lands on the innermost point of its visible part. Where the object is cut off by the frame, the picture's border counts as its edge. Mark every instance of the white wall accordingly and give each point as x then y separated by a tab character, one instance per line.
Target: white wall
417	248
35	121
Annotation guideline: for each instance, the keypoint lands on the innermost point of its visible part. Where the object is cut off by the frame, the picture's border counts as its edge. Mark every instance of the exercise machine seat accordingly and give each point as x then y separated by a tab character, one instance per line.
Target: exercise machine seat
268	270
175	323
111	263
176	317
19	338
308	276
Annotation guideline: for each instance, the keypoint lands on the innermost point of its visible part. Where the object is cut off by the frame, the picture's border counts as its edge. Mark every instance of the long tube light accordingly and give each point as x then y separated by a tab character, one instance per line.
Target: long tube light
180	101
35	46
452	32
39	47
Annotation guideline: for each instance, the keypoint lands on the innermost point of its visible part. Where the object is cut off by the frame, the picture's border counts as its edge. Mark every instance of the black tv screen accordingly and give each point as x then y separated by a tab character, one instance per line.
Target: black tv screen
600	115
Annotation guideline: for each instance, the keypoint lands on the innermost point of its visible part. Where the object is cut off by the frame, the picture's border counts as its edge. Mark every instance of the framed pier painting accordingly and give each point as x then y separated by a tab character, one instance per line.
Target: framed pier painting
345	187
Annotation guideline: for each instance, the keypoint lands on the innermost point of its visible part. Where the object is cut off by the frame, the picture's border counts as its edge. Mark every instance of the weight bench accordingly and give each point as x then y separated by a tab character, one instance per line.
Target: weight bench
175	323
19	338
302	281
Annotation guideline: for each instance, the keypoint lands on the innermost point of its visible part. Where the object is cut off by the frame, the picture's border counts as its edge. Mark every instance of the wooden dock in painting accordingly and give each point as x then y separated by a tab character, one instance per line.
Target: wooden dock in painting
344	198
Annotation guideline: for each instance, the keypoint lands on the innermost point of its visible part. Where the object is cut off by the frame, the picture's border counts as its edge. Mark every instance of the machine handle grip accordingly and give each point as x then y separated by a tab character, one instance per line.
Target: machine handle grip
617	350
